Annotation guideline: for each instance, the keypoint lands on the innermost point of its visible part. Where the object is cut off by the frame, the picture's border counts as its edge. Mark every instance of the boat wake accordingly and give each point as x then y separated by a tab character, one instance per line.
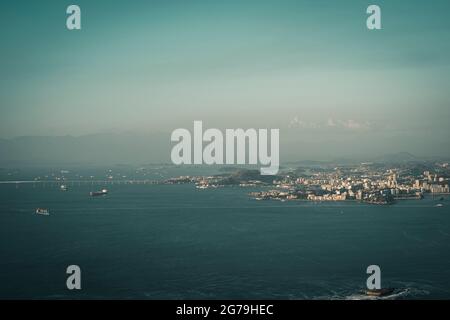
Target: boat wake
406	293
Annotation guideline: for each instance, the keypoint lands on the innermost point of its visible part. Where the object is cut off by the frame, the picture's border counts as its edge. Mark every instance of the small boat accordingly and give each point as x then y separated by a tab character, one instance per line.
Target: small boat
379	292
98	193
42	212
439	205
63	187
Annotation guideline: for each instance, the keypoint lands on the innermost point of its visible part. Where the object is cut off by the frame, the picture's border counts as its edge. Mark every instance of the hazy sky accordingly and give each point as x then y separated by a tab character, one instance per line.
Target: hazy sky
310	68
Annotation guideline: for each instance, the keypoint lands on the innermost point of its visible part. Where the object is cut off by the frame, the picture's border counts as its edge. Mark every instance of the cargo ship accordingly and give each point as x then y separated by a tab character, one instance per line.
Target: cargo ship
98	193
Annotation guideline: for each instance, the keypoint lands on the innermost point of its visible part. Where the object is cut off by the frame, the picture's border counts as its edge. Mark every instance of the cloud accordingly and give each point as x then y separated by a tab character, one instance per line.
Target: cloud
297	123
355	125
330	123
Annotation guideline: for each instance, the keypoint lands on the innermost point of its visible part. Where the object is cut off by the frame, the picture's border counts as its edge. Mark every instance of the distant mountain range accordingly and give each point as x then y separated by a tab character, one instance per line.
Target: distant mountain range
399	158
96	149
126	148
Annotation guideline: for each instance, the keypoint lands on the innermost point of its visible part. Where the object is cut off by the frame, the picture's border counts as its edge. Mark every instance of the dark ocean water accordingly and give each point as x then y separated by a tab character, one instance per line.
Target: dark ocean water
177	242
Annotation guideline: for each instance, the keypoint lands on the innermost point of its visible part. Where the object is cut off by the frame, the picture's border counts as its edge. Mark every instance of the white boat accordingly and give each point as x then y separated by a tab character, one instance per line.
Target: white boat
439	205
64	187
42	212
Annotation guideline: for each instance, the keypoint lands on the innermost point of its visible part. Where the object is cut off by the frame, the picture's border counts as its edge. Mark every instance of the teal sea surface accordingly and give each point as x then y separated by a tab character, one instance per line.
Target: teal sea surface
178	242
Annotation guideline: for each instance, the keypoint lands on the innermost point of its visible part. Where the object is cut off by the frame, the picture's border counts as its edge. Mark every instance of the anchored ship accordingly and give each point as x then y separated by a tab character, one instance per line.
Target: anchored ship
98	193
42	212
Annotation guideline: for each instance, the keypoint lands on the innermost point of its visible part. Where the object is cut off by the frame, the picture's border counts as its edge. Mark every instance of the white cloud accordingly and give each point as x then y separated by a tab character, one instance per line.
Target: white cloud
347	124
